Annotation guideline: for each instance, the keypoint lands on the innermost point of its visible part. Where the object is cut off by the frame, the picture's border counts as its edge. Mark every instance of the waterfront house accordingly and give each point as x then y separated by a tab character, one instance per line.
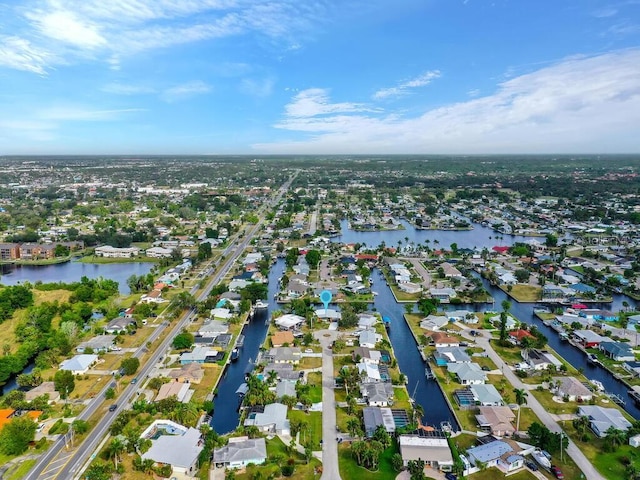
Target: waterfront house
486	395
368	338
9	251
465	316
430	447
108	251
587	338
273	420
496	420
440	339
290	355
281	338
221	314
410	287
443	294
377	394
512	323
445	355
289	321
367	355
284	371
200	355
434	322
98	344
79	364
369	373
467	373
572	389
174	445
516	336
618	351
540	359
117	325
240	452
366	320
375	416
601	419
632	367
212	329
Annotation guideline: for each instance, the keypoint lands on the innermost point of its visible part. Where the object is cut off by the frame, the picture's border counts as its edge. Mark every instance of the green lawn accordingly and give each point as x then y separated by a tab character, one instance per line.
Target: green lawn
495	474
313	434
525	293
278	455
22	470
349	469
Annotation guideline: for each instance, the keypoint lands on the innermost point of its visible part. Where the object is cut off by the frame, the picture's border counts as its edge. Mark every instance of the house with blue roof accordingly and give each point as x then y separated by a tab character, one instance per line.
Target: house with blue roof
506	455
618	351
583	288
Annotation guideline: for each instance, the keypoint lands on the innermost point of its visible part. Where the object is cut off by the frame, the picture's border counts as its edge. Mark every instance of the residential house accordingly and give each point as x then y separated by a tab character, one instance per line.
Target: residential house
328	314
289	321
45	388
377	394
369	372
108	251
465	316
365	354
511	323
79	364
199	354
296	289
98	344
212	329
572	389
587	338
430	447
443	294
632	367
180	390
434	322
284	355
368	338
221	315
618	351
240	452
601	419
366	320
486	395
445	355
175	445
272	420
285	388
9	251
506	455
467	373
441	339
154	296
496	420
284	371
117	325
410	287
516	336
189	373
34	251
281	338
540	359
158	252
375	416
450	271
8	414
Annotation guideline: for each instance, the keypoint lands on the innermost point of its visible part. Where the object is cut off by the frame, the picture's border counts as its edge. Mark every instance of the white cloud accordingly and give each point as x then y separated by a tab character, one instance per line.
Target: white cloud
404	87
54	32
315	101
577	105
184	91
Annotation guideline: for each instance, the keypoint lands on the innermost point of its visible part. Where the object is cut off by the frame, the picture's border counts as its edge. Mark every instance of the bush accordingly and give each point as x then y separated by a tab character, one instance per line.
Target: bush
60	427
287	470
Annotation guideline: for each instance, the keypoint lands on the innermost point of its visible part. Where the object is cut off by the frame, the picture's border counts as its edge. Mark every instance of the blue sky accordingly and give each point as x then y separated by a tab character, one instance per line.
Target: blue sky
319	76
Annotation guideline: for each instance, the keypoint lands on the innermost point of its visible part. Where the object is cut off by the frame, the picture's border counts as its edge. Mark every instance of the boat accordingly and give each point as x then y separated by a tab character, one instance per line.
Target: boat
387	322
240	341
235	354
375	294
598	385
446	427
591	357
260	305
428	373
543	460
634	393
564	336
615	398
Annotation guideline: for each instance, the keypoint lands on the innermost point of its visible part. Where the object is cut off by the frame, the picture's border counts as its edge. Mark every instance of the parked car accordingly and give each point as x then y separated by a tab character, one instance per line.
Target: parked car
531	466
450	476
557	472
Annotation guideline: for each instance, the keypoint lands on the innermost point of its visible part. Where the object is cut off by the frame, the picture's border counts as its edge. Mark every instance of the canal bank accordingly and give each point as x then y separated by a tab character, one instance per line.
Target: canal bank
226	401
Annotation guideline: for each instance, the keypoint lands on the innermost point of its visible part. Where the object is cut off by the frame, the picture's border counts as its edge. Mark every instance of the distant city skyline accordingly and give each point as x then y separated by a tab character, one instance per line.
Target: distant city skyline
319	77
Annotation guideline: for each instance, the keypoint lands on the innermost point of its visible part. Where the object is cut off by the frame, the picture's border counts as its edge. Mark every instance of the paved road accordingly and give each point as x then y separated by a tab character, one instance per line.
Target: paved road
426	276
60	462
330	470
545	417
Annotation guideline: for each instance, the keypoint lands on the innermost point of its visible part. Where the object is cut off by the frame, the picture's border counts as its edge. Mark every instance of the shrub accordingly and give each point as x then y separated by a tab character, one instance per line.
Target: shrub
287	470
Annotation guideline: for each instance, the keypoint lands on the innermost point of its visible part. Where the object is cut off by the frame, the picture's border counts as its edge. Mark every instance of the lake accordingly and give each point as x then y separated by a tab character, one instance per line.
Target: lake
73	271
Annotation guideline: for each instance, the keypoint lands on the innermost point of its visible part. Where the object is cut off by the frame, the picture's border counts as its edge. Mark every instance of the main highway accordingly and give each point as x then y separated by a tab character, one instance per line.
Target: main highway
62	460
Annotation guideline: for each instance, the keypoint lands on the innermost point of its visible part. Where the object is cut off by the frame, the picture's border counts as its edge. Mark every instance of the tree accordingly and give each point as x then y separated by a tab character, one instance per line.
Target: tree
381	435
255	291
551	240
521	399
522	275
614	437
353	427
16	435
396	462
115	448
183	340
416	469
130	365
506	305
64	382
109	393
313	258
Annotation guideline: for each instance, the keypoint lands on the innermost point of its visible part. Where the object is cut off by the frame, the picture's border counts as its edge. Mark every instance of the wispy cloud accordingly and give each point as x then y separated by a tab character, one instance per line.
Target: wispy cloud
185	91
575	105
405	87
315	101
82	114
53	32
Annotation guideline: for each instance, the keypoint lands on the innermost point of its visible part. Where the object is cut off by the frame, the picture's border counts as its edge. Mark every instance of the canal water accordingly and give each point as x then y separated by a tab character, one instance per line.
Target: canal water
425	392
225	404
73	271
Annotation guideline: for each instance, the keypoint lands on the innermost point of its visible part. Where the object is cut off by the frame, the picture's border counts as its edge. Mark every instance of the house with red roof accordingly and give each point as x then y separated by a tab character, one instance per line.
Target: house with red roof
516	336
499	249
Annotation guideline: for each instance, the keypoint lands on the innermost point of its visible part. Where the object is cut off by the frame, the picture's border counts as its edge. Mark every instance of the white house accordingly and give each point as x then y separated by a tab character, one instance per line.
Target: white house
240	452
79	364
175	445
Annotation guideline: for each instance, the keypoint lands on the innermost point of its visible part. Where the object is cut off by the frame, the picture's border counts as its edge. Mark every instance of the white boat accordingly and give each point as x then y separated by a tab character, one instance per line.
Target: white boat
542	459
598	385
374	293
259	305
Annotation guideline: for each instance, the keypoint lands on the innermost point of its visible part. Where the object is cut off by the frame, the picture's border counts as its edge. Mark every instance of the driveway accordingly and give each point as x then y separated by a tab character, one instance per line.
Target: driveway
545	417
330	469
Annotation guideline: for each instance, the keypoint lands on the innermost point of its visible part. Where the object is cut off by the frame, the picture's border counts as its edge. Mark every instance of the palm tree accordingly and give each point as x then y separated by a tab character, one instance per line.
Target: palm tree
615	437
116	447
418	413
581	424
184	413
521	399
353	426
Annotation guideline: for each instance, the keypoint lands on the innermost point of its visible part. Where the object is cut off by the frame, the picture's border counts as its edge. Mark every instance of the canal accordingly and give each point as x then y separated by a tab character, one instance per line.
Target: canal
225	404
425	392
